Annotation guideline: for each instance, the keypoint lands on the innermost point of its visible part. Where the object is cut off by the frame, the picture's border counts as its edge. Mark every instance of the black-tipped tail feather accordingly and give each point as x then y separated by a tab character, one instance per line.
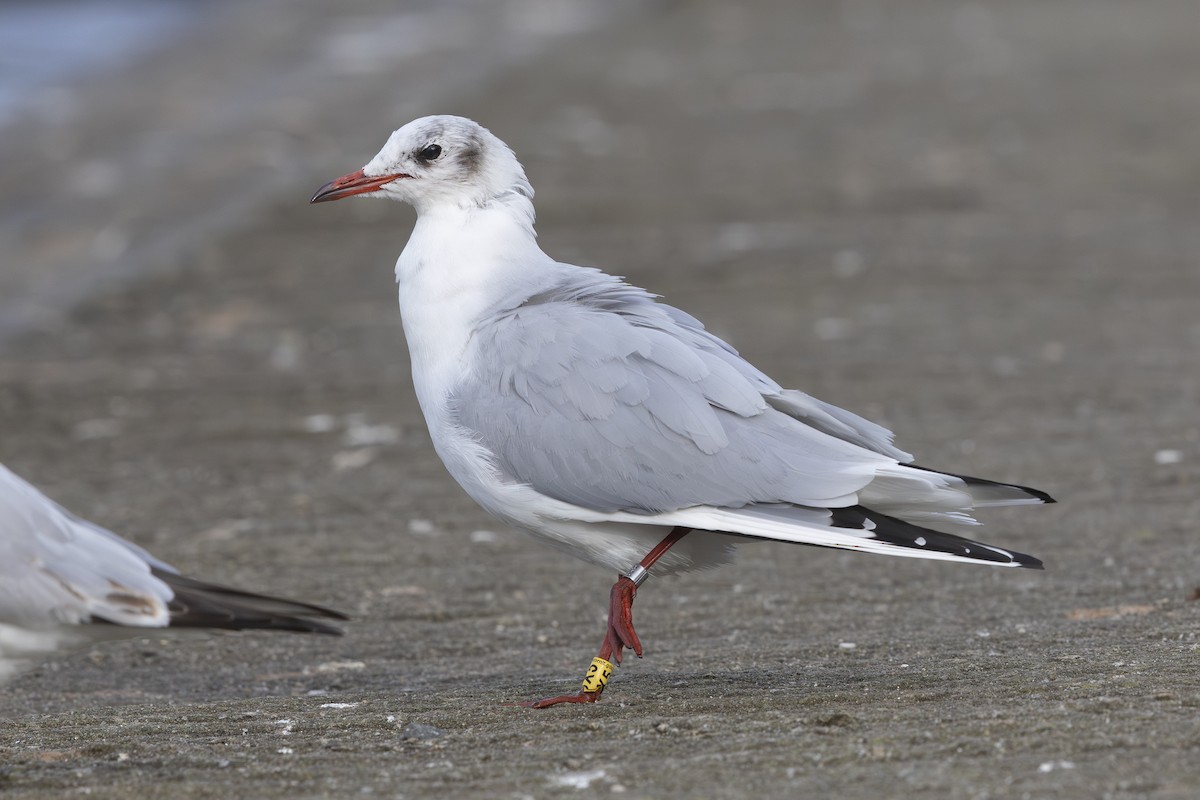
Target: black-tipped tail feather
206	605
905	534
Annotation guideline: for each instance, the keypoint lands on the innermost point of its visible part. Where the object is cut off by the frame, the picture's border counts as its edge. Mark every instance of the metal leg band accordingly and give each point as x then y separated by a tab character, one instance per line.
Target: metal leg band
638	575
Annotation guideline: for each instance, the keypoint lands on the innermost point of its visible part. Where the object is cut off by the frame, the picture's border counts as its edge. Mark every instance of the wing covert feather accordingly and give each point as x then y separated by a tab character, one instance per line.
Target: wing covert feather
633	406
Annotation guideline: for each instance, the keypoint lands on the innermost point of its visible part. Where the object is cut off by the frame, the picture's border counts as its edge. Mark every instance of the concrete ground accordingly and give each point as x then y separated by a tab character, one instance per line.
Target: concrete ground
975	223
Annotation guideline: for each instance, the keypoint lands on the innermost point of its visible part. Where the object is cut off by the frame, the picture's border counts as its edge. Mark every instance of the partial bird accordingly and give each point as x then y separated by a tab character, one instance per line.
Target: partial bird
66	582
613	426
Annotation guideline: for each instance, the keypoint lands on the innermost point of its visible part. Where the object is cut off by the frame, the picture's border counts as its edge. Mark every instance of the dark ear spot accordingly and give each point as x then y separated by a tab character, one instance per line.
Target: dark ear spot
471	154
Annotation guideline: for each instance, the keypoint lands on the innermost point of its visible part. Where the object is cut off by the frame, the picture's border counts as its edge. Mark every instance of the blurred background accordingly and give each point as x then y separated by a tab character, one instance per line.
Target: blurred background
973	222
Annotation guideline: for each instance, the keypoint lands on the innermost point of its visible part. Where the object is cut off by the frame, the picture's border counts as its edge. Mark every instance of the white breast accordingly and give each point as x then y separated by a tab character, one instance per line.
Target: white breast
459	268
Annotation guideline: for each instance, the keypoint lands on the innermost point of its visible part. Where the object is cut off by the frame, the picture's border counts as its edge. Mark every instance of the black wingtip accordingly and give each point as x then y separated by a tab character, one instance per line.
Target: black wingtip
207	605
1027	562
906	534
1029	490
1037	494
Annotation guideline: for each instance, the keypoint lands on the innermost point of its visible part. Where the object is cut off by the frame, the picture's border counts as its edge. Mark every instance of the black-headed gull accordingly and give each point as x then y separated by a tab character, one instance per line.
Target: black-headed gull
66	582
612	426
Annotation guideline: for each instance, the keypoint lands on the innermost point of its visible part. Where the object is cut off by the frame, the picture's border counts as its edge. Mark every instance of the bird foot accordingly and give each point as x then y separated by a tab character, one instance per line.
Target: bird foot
593	686
620	632
578	697
619	635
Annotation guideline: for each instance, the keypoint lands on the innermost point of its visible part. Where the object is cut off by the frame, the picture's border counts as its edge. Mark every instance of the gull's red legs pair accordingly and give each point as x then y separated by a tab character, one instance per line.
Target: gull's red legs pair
620	633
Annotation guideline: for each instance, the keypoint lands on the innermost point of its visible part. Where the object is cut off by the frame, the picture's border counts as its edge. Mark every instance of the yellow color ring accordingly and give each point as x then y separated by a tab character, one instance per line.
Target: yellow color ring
597	675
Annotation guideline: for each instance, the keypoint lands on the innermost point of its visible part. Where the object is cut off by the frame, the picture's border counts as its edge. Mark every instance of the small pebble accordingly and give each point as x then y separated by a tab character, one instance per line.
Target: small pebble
422	527
415	730
1165	457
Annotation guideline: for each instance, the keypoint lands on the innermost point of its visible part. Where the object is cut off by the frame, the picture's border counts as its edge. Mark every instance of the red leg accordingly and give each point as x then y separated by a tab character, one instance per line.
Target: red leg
620	633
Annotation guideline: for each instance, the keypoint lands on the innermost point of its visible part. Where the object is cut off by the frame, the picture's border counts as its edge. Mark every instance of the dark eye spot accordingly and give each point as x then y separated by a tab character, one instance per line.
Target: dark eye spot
429	152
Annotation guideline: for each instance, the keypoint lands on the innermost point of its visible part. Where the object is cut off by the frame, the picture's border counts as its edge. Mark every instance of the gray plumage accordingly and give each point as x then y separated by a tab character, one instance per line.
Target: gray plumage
594	394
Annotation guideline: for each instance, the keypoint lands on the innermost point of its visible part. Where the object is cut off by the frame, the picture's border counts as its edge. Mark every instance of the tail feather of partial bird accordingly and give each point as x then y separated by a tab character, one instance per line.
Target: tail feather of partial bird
854	528
198	604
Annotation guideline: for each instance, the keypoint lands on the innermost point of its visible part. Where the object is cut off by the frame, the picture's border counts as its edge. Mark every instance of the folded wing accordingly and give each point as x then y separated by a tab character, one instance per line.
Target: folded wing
597	396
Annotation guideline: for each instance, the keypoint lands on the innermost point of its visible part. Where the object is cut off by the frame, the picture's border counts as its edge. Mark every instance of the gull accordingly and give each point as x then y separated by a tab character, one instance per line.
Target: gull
66	582
613	426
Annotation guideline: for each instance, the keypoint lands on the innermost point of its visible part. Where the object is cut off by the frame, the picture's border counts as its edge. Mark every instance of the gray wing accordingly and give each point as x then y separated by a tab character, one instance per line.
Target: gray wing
825	417
838	422
596	395
58	569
